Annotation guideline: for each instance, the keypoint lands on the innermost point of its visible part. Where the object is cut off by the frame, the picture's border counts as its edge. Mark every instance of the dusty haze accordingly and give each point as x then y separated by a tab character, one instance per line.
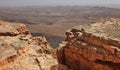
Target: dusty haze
14	3
52	18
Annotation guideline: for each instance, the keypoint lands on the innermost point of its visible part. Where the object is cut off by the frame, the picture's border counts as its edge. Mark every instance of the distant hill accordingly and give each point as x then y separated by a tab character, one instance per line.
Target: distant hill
114	6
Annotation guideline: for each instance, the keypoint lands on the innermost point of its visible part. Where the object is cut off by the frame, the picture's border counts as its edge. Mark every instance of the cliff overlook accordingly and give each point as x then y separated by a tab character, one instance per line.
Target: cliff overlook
93	46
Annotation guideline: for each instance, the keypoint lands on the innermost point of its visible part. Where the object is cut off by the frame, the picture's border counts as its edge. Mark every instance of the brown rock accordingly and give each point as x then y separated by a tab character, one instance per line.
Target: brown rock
20	51
12	29
92	47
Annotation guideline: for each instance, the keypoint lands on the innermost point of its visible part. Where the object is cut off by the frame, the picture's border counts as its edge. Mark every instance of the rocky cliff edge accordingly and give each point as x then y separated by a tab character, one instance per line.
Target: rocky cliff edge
20	51
93	46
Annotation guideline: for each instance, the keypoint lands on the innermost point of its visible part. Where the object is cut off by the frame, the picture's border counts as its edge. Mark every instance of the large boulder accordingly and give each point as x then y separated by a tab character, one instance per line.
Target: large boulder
93	46
20	51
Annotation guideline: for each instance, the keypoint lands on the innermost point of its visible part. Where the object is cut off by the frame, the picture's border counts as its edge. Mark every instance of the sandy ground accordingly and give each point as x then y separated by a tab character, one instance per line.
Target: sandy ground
55	29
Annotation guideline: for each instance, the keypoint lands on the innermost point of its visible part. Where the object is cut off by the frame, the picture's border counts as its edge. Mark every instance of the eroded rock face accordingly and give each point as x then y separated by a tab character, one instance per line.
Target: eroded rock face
20	51
92	46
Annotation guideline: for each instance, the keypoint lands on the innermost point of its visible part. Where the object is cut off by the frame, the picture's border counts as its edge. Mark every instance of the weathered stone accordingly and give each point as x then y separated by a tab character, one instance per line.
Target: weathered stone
6	50
12	29
20	51
92	47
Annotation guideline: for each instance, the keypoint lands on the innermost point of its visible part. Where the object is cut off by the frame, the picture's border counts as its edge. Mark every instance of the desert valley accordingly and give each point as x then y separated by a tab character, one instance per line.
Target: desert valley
60	38
53	22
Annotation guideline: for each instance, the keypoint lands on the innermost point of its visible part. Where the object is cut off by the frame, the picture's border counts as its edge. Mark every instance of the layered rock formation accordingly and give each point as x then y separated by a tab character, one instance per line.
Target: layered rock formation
93	46
20	51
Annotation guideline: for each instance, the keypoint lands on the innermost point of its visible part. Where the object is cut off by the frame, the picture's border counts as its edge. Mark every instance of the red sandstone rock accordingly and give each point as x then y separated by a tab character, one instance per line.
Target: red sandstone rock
92	47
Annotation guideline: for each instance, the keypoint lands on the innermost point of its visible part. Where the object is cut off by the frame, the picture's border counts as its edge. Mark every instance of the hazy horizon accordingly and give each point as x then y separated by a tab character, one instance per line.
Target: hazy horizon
19	3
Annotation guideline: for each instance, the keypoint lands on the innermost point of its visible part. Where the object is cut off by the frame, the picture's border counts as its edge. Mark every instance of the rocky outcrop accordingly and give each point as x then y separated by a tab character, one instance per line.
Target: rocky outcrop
20	51
93	46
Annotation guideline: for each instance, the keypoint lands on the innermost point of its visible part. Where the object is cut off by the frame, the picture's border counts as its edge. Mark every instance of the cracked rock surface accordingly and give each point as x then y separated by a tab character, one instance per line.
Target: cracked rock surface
93	46
19	50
